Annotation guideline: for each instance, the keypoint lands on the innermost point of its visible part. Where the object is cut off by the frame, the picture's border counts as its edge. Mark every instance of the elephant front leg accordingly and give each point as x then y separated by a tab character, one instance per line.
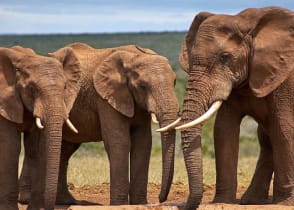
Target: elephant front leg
257	192
226	142
118	155
139	160
30	163
116	138
282	140
283	156
9	154
64	197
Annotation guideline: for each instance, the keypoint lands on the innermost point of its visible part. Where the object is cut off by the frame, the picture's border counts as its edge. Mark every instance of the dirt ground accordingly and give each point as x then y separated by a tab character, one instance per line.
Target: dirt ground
97	198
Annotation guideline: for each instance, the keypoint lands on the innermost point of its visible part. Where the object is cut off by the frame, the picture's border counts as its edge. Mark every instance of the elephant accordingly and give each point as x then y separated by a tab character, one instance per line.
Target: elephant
240	65
120	89
33	88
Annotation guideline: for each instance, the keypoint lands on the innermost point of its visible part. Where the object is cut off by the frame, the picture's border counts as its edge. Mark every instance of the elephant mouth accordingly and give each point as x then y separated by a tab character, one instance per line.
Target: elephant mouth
68	123
170	126
204	117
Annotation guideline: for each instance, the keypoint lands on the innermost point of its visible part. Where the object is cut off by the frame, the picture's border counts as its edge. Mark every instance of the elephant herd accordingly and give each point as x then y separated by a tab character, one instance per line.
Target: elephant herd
237	65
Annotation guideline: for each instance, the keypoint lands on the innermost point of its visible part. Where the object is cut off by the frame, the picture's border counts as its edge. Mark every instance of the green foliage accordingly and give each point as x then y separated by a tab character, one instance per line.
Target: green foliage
166	43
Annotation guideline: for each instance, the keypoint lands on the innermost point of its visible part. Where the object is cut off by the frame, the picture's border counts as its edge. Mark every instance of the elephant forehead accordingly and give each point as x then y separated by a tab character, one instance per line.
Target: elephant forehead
40	62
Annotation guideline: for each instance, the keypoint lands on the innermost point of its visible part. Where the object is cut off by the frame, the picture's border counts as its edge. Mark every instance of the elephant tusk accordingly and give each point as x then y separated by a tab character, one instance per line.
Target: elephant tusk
154	119
39	123
168	127
208	114
71	126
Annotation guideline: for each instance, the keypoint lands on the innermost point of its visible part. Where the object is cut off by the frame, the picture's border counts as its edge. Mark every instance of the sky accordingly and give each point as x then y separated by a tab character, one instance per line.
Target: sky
111	16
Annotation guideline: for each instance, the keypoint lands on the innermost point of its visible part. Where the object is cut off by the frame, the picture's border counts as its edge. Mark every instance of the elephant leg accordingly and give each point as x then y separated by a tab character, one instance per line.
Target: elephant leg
281	135
115	131
226	153
38	166
64	197
118	155
257	192
9	155
283	158
139	163
29	166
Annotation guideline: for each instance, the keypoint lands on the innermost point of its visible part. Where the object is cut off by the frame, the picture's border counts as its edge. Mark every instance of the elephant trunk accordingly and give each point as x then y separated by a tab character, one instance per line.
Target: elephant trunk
195	104
54	116
168	152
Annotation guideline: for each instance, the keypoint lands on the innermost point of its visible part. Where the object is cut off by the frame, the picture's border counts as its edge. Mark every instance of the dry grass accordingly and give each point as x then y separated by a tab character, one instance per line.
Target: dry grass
89	170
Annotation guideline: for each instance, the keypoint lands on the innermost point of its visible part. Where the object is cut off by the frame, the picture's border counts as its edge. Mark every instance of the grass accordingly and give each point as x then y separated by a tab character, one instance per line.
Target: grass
91	170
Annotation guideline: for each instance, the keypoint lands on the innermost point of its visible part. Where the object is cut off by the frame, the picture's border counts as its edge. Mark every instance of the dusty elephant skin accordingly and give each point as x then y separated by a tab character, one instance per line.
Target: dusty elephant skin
119	89
31	86
246	62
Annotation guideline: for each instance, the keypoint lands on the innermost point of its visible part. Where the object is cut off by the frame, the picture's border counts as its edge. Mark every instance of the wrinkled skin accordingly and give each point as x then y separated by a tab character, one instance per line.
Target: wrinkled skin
246	61
31	86
120	88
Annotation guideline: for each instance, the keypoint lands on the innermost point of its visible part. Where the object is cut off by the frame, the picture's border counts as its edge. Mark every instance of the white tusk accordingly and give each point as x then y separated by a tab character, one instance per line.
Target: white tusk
213	109
71	126
154	119
166	128
39	123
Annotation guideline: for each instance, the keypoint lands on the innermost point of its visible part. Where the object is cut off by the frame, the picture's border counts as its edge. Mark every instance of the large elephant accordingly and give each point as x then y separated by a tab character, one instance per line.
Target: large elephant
33	87
244	62
120	89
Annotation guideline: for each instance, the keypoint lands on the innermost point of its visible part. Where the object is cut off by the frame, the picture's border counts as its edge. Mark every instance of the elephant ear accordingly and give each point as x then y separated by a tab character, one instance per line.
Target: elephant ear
273	55
72	72
110	81
27	51
11	107
190	37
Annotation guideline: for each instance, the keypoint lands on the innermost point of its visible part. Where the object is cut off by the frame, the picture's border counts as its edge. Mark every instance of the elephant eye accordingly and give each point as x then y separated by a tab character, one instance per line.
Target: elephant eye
22	73
224	57
142	87
32	90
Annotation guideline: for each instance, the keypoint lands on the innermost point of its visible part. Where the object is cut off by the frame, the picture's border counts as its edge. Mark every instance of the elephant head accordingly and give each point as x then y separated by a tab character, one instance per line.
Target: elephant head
141	78
250	52
46	88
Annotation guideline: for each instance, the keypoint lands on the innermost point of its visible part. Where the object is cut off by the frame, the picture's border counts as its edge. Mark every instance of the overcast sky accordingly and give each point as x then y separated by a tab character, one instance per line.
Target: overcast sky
100	16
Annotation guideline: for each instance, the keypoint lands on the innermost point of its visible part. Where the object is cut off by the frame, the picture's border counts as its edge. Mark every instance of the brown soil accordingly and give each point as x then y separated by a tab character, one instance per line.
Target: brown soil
97	198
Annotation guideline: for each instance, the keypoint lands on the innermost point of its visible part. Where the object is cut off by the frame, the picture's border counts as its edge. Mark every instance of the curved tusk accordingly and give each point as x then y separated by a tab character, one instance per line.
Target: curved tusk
39	123
211	111
71	126
168	127
154	119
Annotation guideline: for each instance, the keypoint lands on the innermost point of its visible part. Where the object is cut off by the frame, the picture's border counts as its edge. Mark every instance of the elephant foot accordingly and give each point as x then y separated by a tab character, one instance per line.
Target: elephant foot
65	198
254	198
193	202
138	200
24	197
219	199
286	202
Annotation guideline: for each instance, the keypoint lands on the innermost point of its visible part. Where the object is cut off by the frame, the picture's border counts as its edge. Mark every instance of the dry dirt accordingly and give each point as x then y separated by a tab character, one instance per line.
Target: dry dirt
100	196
